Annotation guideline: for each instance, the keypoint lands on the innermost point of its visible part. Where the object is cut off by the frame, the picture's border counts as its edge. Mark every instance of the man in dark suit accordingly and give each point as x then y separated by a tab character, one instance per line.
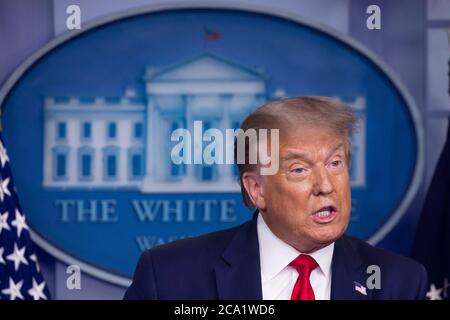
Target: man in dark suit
294	247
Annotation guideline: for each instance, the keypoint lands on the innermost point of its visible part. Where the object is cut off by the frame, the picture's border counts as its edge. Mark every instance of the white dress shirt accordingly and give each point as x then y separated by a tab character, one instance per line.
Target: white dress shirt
278	278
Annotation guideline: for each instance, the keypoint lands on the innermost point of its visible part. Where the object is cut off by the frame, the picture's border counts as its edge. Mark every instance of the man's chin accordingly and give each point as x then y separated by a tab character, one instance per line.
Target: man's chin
326	237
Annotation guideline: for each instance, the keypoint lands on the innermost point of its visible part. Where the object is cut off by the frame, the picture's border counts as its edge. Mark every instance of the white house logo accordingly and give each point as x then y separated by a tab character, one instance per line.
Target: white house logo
124	142
88	125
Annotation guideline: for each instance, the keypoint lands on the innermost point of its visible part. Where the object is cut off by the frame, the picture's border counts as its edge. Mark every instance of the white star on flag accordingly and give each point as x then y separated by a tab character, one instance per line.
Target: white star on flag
14	290
17	257
4	188
3	156
19	223
1	255
37	292
434	293
4	221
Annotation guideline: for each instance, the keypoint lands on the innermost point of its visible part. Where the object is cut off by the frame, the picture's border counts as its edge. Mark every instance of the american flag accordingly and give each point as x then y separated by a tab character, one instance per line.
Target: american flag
211	35
20	276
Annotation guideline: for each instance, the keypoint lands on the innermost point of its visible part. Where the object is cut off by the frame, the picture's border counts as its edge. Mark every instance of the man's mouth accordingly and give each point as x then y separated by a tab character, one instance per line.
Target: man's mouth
325	214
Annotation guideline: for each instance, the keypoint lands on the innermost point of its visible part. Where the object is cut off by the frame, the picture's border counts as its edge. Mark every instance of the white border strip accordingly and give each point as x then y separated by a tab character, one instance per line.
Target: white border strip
230	5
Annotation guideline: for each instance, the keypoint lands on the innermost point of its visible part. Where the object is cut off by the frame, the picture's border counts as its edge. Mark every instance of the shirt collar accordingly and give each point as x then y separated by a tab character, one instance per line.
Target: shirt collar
275	254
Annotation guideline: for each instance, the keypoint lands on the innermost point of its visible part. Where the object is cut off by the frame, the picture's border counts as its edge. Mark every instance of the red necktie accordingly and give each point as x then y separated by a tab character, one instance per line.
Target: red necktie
304	265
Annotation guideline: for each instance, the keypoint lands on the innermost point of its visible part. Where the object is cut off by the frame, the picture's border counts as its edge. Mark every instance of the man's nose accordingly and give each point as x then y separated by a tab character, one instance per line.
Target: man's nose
322	183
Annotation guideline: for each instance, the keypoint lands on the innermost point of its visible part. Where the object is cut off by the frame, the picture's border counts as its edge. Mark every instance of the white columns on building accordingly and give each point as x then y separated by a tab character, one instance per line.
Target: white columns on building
188	103
151	140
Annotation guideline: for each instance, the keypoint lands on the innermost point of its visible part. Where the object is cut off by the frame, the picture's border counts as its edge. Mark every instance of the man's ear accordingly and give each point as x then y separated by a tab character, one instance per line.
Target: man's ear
253	184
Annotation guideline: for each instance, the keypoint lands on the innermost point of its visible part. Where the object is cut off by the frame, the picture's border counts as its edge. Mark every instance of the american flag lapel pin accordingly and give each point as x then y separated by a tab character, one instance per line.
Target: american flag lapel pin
360	288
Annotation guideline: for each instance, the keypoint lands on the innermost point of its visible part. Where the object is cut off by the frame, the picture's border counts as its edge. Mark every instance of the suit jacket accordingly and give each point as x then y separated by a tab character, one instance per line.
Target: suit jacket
226	265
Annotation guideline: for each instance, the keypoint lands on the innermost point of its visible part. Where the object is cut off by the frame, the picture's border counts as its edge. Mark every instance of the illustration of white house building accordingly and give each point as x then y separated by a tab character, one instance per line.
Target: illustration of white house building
125	142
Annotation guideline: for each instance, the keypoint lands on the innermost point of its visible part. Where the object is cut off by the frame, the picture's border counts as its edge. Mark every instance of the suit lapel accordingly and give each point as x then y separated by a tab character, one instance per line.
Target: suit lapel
238	275
347	271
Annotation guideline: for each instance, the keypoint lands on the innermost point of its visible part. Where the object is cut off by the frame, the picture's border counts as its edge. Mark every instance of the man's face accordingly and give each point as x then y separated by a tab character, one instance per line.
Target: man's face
307	203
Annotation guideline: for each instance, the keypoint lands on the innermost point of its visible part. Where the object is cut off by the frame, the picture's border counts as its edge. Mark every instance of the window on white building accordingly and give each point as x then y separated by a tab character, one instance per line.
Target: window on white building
136	163
138	130
60	162
85	163
110	163
86	130
61	131
112	130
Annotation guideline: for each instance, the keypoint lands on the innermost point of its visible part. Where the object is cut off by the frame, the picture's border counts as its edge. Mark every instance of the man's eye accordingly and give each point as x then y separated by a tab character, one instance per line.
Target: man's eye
298	170
336	163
